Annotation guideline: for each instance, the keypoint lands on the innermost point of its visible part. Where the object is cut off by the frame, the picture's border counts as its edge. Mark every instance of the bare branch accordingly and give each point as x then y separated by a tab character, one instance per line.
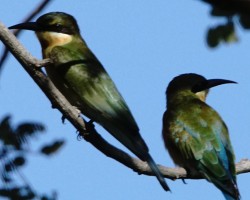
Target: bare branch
16	32
86	130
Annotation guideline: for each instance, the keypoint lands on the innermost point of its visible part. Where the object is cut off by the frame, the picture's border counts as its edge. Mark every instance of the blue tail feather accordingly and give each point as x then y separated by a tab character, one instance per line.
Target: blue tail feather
157	172
229	197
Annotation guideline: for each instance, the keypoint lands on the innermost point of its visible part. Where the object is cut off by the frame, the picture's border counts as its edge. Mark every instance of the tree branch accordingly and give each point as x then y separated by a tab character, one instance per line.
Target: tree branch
16	32
86	130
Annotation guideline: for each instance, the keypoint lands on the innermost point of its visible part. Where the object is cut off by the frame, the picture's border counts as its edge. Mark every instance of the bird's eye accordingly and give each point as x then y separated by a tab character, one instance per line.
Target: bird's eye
59	27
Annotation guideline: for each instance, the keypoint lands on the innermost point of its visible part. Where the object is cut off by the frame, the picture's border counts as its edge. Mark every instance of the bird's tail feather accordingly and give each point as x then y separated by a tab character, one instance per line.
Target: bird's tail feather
157	173
228	186
229	197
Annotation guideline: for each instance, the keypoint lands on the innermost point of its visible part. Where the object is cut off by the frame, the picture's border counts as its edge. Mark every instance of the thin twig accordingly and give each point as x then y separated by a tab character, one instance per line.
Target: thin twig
16	32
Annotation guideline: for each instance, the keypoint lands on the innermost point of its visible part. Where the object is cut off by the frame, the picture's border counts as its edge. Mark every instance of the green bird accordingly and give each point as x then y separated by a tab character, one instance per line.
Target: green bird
195	135
82	79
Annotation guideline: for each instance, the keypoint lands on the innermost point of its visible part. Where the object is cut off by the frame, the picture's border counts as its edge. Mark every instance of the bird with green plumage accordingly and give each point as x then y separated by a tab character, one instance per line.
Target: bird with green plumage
82	79
195	135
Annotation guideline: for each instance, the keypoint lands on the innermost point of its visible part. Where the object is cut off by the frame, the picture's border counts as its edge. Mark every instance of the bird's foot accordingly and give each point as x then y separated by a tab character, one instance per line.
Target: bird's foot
63	119
183	180
89	128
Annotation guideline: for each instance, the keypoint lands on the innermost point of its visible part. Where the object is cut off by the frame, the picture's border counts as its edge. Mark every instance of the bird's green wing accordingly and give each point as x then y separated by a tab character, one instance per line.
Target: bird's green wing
90	88
201	139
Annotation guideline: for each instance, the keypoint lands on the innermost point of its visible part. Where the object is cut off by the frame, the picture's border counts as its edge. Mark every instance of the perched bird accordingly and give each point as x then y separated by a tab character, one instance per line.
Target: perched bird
81	78
195	136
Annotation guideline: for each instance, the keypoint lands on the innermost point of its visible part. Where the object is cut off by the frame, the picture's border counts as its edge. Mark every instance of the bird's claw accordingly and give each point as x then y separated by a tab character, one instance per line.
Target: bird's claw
183	180
63	119
90	126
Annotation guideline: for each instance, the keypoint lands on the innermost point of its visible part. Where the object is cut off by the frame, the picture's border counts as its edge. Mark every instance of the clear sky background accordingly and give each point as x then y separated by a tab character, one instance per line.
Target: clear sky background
143	45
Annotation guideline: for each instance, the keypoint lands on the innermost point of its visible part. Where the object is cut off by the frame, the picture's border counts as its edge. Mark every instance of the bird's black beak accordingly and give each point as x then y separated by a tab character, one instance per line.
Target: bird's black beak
209	84
33	26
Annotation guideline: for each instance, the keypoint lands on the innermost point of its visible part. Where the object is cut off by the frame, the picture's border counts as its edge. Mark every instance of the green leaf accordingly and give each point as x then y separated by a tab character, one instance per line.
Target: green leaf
6	177
7	134
17	136
17	193
12	165
9	167
52	148
26	130
228	33
19	161
213	39
221	33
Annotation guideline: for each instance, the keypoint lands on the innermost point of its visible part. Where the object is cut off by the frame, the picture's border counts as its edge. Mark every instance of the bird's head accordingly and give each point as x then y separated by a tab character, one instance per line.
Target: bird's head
193	84
54	28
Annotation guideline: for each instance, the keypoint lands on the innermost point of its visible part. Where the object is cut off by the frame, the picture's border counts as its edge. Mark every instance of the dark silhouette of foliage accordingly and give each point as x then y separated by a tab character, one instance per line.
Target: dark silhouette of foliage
52	148
14	141
235	12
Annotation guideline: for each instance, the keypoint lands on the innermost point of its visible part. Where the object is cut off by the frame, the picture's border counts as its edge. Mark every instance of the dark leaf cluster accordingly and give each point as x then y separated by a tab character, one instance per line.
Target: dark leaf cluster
14	143
235	12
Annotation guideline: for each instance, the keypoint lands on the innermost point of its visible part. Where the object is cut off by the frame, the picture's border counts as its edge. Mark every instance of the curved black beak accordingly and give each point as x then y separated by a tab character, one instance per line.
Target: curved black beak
33	26
209	84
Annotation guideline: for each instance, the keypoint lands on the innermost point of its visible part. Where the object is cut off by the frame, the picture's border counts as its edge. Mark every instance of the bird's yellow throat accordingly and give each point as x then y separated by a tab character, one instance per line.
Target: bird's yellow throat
52	39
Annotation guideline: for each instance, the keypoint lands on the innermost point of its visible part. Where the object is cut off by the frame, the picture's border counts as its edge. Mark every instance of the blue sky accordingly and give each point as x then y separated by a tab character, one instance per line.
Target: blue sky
143	45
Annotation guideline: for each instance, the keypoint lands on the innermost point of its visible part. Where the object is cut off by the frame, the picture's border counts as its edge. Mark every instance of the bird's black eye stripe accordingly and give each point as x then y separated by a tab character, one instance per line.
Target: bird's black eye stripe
59	28
199	86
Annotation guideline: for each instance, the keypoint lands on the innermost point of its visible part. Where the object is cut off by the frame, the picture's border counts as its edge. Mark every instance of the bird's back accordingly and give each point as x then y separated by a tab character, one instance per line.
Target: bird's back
197	139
